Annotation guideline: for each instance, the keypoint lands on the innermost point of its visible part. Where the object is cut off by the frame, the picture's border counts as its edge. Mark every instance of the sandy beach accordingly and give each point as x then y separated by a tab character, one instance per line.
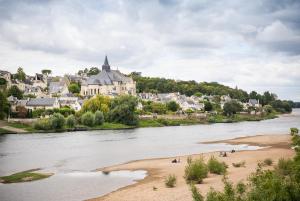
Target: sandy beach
276	146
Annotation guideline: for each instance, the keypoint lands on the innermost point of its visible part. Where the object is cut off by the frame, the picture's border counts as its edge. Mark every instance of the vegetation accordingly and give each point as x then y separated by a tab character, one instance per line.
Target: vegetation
195	193
268	161
20	75
96	103
43	124
122	110
173	106
239	164
170	181
208	106
294	131
24	177
216	167
74	88
15	91
88	119
196	171
232	107
99	118
71	121
46	72
57	121
4	106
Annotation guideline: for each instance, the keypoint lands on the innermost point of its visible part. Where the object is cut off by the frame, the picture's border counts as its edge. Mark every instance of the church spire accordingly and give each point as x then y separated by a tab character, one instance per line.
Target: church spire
106	65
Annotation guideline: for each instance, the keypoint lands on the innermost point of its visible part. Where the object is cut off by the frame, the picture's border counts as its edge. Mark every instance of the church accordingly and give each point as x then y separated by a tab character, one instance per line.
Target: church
108	82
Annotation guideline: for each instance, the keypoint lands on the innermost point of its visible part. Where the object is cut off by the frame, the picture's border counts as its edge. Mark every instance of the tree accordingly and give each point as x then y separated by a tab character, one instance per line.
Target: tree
99	118
122	110
198	94
93	71
88	119
57	121
4	106
158	108
71	121
15	91
46	72
173	106
74	88
208	106
98	102
20	75
232	107
2	81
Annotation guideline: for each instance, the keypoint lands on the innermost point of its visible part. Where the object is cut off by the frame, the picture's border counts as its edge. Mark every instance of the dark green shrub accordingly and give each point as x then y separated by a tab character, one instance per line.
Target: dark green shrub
99	118
88	119
170	181
215	166
196	171
57	121
294	131
71	121
284	166
268	161
195	194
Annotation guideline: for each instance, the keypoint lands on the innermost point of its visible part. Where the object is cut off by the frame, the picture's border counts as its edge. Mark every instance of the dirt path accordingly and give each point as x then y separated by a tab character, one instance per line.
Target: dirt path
4	125
158	169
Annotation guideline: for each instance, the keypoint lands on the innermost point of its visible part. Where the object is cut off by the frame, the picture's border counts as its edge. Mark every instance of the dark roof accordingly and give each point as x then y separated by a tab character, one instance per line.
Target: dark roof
3	72
107	78
41	102
253	101
106	65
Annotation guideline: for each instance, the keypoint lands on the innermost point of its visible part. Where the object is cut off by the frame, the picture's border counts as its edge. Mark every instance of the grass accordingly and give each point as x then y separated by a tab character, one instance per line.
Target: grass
216	167
4	131
196	171
240	164
170	181
107	125
25	176
26	127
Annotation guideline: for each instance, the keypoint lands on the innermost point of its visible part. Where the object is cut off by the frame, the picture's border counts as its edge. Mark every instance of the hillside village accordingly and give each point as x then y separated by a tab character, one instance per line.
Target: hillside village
30	98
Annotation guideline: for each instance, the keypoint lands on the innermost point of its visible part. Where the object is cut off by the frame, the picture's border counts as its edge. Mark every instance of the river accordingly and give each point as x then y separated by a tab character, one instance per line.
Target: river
74	156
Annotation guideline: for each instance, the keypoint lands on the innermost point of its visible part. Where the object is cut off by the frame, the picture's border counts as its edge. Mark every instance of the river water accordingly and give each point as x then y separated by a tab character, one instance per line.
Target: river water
74	156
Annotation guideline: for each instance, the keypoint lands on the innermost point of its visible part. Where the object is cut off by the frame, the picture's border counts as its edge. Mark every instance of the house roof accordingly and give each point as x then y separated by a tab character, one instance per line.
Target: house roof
56	87
3	72
253	101
41	102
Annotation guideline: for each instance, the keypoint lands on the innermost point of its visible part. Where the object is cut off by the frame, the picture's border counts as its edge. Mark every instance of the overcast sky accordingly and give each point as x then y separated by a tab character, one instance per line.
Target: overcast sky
249	44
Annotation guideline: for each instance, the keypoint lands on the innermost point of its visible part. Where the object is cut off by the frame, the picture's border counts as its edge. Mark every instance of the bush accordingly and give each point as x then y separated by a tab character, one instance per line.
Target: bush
196	171
170	181
195	194
294	131
240	164
216	167
284	166
71	121
57	121
88	119
42	124
268	161
99	118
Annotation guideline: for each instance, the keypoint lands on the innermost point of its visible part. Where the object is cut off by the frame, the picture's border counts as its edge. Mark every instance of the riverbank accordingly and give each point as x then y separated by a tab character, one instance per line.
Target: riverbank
21	128
153	187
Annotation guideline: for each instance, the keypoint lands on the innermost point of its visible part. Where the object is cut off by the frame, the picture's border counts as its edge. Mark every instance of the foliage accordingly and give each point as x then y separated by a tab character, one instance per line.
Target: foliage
158	108
24	177
42	124
74	88
232	107
93	71
22	112
284	166
122	110
98	102
282	106
20	75
2	81
294	131
170	181
195	193
172	106
71	121
57	121
88	119
208	106
239	164
196	171
46	71
198	94
4	106
268	109
15	91
216	167
268	161
99	118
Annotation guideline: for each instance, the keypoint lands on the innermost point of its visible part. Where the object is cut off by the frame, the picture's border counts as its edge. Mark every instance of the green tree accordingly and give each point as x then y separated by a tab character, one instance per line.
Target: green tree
88	119
98	102
158	108
15	91
71	121
173	106
122	110
57	121
93	71
232	107
2	81
20	75
99	118
74	88
46	72
208	106
198	94
4	106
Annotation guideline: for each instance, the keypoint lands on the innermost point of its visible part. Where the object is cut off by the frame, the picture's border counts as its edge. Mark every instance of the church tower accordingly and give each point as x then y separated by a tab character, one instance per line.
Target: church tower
106	65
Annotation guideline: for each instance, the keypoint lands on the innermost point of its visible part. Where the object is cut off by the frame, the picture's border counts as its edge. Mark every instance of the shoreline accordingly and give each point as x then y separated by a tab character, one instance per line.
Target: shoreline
158	168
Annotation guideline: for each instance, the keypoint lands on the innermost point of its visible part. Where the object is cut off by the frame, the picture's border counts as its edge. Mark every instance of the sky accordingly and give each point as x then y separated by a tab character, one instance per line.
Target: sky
254	45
